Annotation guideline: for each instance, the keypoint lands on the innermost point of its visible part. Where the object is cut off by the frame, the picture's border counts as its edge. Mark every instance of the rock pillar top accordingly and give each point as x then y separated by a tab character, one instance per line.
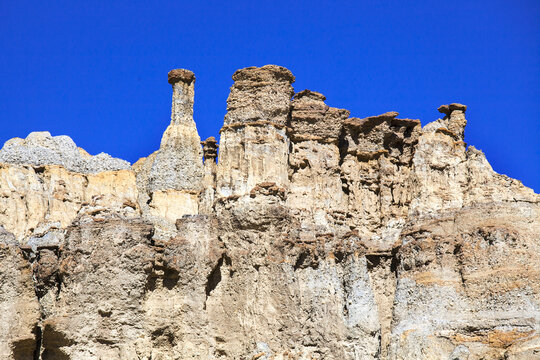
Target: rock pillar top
181	75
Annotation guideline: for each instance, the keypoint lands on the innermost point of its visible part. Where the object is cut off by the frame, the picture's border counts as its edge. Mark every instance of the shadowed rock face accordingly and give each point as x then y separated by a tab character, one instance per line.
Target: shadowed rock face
314	235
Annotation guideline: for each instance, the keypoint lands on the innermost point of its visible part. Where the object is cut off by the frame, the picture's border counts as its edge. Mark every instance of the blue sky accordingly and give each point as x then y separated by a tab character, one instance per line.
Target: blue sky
97	70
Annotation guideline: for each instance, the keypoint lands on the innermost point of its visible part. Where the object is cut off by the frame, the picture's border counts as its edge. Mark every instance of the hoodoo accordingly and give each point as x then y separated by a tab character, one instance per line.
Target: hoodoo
171	179
311	235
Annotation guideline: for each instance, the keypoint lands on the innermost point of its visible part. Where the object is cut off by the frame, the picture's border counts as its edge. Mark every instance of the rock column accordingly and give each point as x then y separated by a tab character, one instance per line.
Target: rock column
454	119
172	178
210	147
178	164
440	172
254	145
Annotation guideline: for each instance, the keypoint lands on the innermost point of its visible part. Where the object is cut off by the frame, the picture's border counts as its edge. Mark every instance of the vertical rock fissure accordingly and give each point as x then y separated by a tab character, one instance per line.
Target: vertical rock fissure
38	336
214	278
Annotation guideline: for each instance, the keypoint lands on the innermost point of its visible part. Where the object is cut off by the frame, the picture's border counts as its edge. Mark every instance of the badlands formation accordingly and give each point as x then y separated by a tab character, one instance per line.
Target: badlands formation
313	235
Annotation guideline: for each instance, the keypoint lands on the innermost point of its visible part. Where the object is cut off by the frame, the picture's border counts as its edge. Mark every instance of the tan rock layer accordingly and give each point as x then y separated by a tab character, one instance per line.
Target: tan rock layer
314	236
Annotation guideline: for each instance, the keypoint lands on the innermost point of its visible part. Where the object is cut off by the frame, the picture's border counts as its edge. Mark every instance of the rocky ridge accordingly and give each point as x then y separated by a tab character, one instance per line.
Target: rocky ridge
312	235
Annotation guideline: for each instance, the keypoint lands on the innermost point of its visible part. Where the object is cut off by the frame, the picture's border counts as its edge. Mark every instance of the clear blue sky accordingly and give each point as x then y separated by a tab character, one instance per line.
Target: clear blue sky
97	70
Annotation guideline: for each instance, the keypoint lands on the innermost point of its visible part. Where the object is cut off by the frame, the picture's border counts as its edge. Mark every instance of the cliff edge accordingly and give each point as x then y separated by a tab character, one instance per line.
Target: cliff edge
311	235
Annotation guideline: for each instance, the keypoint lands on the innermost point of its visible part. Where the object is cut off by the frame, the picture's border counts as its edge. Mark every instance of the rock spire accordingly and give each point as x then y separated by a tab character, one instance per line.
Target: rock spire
176	169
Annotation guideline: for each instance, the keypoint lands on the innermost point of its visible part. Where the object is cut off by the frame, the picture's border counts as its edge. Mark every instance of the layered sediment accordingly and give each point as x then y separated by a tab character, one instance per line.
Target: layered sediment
310	235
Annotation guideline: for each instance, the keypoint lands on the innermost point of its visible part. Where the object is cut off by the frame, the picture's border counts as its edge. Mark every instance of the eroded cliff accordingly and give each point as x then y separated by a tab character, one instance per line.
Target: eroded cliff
313	235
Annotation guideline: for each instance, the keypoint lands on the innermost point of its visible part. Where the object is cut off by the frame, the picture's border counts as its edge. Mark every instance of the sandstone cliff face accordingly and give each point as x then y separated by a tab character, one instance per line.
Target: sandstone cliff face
254	144
314	235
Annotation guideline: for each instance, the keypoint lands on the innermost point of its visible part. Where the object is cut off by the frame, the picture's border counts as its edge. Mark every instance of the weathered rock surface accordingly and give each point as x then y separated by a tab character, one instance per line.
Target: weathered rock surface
469	279
19	306
40	148
35	200
314	235
170	180
254	144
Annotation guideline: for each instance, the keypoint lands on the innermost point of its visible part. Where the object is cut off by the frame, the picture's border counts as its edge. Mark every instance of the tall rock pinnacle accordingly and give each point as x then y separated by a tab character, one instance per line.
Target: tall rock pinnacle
179	162
182	82
176	169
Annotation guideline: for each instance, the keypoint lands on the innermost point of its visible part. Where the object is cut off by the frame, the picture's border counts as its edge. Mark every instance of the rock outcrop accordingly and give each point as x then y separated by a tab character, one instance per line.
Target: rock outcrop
254	144
40	148
170	180
311	235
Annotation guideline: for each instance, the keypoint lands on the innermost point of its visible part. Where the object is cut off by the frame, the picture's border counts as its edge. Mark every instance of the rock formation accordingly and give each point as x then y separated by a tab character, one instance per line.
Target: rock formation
313	235
170	180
